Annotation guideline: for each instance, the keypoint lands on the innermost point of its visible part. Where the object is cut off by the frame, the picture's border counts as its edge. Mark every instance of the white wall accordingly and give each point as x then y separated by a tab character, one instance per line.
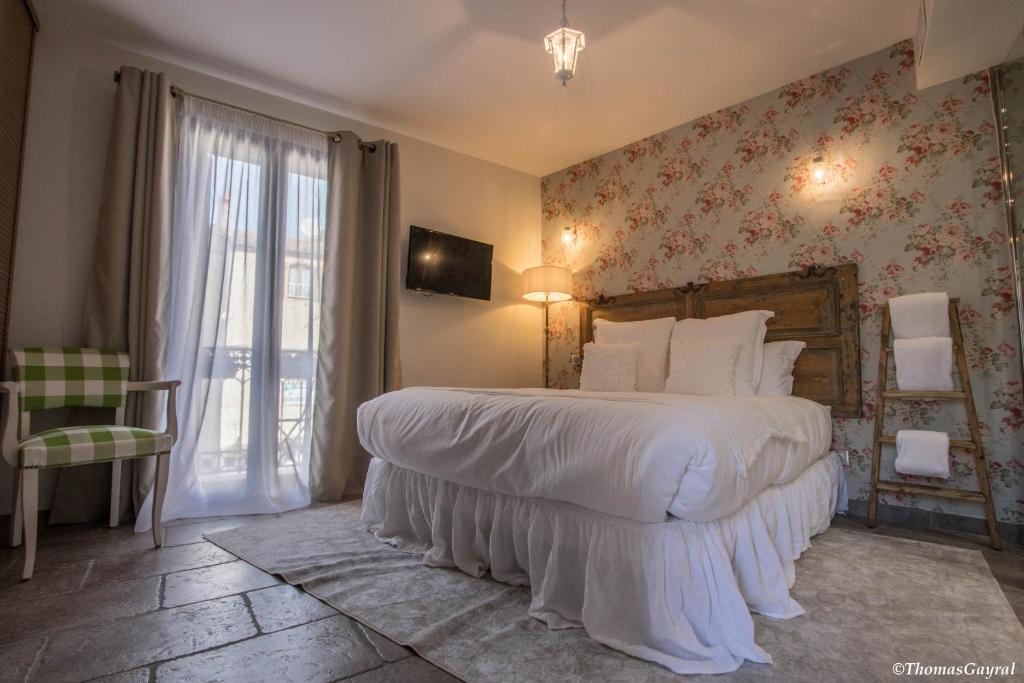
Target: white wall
444	340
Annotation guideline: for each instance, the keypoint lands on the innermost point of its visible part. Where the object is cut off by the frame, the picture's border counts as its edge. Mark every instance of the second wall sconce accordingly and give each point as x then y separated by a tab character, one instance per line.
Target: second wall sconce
818	170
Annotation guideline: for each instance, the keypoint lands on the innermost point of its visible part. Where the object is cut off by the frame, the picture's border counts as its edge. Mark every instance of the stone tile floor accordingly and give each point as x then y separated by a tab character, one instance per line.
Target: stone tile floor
105	605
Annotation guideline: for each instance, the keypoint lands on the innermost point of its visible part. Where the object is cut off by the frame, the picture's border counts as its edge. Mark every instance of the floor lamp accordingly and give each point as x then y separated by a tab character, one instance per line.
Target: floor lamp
547	284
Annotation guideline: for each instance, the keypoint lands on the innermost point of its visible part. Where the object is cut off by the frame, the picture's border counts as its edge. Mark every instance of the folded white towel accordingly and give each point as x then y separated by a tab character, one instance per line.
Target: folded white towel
924	364
920	315
922	453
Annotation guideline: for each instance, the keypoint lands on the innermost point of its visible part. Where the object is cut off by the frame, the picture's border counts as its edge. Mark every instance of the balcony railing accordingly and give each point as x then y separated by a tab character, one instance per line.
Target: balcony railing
224	452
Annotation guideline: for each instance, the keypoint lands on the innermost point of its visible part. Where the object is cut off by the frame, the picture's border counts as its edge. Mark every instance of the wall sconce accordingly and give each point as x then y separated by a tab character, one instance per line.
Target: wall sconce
818	170
569	236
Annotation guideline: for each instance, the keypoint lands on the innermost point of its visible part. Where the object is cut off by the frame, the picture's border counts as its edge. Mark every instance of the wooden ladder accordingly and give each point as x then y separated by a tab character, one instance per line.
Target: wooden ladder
972	445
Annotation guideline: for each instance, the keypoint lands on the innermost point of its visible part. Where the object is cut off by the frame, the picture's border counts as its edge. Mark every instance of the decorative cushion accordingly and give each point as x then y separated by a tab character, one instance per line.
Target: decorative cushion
703	368
746	329
652	335
74	445
777	369
609	367
69	377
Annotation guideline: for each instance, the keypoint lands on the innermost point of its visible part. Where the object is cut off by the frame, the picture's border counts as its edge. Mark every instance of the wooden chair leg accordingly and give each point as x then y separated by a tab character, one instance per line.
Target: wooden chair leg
159	490
16	511
115	493
30	509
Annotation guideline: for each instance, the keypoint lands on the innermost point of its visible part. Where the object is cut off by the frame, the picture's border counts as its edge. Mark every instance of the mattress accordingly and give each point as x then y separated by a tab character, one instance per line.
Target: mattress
642	457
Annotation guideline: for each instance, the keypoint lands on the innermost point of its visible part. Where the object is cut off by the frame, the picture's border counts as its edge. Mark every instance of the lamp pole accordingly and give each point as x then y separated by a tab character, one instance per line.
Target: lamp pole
546	296
544	285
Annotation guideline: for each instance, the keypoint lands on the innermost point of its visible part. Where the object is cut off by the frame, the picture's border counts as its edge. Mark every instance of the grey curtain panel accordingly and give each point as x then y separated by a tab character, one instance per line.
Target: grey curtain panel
358	351
127	300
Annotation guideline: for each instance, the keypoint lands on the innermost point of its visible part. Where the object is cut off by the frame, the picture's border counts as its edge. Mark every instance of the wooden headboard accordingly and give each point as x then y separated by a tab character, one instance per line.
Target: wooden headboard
817	305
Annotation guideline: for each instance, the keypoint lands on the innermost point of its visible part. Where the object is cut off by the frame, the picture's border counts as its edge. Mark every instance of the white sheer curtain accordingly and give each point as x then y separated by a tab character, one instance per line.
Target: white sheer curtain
247	247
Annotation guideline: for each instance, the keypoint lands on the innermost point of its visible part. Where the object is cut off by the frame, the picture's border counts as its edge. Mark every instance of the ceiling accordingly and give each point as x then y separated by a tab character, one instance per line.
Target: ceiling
472	75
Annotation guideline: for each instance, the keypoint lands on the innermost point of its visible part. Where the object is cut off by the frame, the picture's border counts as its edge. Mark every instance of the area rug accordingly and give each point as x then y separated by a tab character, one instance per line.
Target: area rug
872	602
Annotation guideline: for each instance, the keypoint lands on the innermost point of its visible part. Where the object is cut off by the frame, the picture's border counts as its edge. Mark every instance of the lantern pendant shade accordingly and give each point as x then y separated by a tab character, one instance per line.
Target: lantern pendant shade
564	45
547	283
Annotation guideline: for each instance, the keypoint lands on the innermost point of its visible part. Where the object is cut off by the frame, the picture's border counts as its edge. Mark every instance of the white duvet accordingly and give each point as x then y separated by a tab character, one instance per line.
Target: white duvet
637	456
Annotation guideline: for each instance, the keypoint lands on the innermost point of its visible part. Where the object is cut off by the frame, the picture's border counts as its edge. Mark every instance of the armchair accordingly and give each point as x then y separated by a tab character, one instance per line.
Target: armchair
47	378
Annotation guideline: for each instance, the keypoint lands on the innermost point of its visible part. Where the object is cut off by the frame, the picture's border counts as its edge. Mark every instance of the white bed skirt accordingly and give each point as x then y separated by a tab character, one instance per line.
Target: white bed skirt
678	593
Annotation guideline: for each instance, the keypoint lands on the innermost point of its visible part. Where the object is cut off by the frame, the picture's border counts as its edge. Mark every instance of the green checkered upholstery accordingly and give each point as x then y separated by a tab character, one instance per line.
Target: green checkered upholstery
52	377
79	445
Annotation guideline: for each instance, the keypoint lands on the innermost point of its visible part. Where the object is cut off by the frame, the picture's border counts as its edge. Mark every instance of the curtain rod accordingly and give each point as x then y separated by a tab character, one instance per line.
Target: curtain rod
330	135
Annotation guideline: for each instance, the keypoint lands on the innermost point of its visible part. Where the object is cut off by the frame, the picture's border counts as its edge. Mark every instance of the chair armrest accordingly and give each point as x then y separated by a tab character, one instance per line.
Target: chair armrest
171	387
9	443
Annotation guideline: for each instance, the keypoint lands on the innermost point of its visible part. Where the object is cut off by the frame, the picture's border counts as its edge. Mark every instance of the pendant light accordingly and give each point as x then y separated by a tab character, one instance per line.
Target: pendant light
564	45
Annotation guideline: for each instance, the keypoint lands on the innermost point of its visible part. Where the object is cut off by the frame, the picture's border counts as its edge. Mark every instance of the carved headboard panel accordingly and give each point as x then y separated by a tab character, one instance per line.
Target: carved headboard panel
817	305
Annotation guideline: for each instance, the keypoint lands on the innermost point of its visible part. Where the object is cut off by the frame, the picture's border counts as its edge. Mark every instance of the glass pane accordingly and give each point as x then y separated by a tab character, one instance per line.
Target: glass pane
234	219
1010	115
306	208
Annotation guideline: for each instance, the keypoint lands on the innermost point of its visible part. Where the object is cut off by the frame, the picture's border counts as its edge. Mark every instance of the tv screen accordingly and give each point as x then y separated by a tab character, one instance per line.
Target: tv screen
447	264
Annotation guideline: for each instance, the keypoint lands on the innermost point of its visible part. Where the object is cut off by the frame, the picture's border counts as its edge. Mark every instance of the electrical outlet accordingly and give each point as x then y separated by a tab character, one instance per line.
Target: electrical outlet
575	360
844	455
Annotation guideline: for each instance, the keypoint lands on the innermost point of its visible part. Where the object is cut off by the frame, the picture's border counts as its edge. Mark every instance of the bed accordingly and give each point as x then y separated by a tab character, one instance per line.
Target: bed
657	522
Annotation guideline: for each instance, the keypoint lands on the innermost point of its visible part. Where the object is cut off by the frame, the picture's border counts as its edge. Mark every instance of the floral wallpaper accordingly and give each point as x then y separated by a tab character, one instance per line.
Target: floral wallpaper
912	193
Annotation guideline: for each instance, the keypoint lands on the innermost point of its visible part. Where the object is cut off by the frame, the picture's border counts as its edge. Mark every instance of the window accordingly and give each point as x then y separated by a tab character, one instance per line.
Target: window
298	281
293	399
246	309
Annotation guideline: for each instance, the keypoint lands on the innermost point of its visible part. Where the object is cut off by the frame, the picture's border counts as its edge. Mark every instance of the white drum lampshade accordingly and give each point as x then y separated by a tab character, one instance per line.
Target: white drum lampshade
547	283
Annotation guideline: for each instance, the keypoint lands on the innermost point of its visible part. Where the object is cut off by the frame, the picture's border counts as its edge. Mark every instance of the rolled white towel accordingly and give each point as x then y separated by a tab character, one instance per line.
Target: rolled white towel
920	315
924	364
922	453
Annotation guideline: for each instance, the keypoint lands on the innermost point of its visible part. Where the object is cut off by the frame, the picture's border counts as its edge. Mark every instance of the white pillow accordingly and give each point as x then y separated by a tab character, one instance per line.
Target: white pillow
653	337
747	329
703	368
777	370
609	367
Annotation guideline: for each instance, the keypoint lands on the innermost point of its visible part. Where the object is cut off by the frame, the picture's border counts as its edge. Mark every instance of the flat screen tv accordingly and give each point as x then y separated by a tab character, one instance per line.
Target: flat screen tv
446	264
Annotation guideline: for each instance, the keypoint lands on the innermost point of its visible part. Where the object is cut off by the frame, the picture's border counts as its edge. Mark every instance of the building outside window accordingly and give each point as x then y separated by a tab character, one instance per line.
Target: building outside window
298	281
